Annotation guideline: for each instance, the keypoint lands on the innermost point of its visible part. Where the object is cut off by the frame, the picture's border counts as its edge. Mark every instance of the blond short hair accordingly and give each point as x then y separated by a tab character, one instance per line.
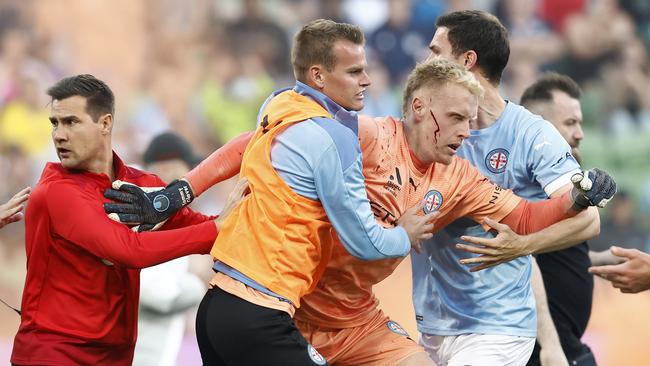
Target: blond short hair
436	73
314	42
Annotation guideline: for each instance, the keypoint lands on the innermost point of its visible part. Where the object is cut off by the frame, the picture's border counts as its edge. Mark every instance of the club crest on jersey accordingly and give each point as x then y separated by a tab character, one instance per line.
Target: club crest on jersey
396	328
497	160
432	201
315	356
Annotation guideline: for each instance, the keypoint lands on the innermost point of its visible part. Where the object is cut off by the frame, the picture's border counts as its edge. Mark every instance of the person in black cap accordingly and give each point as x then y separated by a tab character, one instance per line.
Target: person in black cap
168	290
170	156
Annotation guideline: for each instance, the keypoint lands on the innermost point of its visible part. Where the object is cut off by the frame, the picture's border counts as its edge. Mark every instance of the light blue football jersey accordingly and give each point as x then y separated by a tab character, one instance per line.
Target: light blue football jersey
526	154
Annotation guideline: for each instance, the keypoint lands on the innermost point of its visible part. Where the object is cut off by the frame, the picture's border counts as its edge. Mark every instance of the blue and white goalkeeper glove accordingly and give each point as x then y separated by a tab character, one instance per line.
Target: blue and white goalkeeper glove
147	207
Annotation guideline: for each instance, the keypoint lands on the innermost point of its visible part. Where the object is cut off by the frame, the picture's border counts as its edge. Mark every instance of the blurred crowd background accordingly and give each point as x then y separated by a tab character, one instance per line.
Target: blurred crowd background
203	67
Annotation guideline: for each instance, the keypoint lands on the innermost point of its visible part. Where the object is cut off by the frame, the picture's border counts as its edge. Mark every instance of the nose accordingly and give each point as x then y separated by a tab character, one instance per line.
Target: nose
464	131
365	80
59	134
578	134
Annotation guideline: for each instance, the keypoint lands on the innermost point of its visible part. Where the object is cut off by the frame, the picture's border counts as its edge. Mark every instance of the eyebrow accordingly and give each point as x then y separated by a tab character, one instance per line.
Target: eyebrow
355	68
64	119
455	113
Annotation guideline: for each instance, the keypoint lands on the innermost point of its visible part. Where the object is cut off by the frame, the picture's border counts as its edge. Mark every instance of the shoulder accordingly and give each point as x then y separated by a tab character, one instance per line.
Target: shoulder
319	136
375	128
141	178
526	121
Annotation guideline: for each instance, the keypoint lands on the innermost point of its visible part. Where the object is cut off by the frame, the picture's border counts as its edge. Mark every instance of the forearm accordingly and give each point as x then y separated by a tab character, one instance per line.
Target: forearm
344	198
546	333
529	217
222	164
566	233
140	250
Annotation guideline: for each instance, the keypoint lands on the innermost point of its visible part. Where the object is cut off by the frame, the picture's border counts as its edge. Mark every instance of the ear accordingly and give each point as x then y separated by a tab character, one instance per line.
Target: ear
106	122
469	59
315	77
417	108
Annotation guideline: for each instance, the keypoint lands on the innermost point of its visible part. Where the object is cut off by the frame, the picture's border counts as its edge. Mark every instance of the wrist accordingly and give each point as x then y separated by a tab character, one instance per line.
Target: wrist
189	184
182	190
529	244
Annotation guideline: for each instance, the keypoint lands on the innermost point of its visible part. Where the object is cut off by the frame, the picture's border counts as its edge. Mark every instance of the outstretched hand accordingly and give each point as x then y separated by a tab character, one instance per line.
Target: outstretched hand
631	276
506	246
12	210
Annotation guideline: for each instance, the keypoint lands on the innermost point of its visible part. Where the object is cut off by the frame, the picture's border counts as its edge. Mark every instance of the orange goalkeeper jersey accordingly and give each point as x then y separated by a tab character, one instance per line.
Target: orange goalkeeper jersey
395	181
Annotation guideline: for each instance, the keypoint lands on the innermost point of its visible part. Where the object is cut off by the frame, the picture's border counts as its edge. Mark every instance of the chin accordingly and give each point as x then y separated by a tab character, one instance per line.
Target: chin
355	107
445	159
68	164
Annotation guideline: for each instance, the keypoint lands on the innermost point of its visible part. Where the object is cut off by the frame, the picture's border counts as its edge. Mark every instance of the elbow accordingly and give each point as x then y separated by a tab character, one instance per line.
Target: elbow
372	253
367	256
129	261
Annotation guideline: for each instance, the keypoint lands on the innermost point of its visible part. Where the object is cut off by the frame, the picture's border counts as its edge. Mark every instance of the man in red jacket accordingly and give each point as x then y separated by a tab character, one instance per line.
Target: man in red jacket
80	302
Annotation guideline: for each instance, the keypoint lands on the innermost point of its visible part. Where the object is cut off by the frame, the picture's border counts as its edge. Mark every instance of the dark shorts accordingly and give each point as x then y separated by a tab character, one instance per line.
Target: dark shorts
584	358
232	331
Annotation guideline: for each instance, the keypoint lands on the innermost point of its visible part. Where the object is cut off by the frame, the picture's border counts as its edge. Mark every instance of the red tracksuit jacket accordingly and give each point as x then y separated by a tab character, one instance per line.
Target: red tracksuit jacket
77	307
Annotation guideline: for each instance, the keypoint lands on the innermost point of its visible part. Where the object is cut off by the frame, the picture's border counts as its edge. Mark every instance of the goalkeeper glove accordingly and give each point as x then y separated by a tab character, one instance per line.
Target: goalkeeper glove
592	188
148	206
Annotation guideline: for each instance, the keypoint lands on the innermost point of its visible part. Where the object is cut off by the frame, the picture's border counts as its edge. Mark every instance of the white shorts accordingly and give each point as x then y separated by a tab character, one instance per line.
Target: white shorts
478	349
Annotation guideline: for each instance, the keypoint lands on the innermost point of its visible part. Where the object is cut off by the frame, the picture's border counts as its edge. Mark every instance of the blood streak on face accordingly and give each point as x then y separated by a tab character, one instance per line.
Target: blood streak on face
436	133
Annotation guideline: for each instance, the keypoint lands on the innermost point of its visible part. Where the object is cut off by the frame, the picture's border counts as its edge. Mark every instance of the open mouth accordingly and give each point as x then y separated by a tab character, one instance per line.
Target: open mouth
360	94
454	147
62	152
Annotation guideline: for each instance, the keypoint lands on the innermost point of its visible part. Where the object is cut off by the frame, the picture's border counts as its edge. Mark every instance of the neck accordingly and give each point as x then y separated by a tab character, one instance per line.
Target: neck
490	107
104	165
413	146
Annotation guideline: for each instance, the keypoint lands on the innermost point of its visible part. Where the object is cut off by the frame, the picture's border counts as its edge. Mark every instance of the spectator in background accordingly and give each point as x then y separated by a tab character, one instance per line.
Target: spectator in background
381	99
527	31
16	164
238	84
556	12
167	290
21	119
621	227
396	43
639	10
594	37
626	79
259	34
12	210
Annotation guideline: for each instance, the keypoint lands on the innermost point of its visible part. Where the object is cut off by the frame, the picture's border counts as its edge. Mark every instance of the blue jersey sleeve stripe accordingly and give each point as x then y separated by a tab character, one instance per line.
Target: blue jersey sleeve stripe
345	140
